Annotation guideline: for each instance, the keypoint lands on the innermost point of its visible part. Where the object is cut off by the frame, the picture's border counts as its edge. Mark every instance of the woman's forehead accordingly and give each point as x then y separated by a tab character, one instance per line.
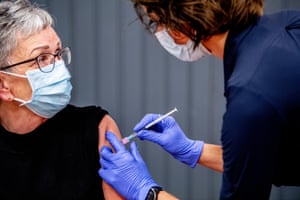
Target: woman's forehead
36	43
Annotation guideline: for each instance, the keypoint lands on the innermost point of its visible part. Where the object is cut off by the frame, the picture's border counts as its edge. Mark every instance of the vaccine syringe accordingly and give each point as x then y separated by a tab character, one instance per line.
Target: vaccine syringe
127	139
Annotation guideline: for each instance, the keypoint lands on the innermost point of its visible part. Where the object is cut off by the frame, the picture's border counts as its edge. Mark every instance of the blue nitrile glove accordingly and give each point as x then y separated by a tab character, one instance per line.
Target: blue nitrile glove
170	137
125	171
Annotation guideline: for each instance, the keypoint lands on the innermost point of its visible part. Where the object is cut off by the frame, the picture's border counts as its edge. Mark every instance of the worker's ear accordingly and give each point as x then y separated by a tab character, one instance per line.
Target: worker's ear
5	94
178	37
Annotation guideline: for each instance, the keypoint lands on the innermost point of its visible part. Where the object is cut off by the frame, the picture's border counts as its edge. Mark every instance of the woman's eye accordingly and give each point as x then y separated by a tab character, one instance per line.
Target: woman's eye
42	58
45	59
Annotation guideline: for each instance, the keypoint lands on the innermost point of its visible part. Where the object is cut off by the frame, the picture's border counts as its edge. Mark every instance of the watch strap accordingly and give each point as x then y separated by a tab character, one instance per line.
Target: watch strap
153	193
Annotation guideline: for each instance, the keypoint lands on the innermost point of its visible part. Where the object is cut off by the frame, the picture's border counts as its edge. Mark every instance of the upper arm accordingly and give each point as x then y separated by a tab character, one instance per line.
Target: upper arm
108	124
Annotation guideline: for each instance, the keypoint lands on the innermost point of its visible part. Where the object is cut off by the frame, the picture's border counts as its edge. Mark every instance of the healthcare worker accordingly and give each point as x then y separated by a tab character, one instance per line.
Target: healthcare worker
261	125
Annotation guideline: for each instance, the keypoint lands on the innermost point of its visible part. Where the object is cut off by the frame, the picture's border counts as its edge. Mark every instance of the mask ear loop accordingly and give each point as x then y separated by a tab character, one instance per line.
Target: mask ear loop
20	101
13	74
20	76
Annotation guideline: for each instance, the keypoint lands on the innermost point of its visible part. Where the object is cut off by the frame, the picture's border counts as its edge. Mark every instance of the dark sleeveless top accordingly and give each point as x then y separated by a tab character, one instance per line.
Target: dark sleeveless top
58	161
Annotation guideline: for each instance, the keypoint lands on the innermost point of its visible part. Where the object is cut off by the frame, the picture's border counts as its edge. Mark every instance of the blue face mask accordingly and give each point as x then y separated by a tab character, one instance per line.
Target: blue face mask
51	92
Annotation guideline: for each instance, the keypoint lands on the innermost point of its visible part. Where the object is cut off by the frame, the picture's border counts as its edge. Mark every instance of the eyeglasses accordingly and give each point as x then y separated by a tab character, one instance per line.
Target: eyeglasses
150	24
46	59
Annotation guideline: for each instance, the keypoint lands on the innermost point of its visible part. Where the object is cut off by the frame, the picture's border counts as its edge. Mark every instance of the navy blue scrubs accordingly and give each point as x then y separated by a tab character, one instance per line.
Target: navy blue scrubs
261	125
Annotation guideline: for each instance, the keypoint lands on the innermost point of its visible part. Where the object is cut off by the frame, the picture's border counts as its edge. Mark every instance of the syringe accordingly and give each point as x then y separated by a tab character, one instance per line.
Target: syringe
125	140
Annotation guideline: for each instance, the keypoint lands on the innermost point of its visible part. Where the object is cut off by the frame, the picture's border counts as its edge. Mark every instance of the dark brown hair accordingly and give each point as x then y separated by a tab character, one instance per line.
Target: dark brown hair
203	17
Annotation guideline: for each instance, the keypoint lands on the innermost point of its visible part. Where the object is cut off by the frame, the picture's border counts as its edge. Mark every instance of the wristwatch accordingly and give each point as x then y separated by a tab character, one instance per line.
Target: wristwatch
153	193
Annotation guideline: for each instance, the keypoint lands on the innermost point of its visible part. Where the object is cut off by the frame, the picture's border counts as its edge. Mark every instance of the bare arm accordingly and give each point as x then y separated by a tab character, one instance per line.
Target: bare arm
163	195
211	157
108	124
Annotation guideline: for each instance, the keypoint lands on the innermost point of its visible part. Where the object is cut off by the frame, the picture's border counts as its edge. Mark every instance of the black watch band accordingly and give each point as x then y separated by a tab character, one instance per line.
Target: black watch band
153	193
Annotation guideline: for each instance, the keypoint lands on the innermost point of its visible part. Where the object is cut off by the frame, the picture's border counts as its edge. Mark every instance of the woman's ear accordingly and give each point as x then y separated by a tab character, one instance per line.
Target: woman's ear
5	94
178	37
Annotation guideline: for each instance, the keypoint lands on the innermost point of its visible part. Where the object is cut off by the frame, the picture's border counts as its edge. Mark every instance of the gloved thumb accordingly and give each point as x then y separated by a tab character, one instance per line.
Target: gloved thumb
105	152
115	142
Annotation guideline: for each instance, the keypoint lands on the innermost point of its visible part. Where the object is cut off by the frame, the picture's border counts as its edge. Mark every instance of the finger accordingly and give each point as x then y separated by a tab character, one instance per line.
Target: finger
149	135
105	164
115	142
105	149
148	118
135	153
106	152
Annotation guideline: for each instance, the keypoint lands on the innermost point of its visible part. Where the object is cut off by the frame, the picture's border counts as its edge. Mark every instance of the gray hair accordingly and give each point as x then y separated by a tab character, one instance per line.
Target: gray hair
19	19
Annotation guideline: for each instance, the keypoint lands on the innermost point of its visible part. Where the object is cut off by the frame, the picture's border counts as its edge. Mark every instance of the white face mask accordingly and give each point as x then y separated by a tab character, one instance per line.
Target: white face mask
51	91
184	52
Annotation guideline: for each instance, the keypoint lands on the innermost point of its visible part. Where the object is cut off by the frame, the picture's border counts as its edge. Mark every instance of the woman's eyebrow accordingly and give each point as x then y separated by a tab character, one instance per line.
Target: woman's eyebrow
39	47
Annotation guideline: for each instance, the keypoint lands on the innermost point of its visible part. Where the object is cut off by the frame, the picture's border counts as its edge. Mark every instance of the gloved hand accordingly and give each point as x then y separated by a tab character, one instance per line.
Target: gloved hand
171	138
125	171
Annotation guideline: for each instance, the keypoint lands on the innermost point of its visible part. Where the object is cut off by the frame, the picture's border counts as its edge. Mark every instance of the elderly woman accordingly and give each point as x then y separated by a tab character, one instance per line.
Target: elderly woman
48	148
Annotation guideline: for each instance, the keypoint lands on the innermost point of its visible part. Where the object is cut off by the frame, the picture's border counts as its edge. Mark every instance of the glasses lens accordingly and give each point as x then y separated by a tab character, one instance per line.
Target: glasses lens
65	54
149	24
152	27
45	60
